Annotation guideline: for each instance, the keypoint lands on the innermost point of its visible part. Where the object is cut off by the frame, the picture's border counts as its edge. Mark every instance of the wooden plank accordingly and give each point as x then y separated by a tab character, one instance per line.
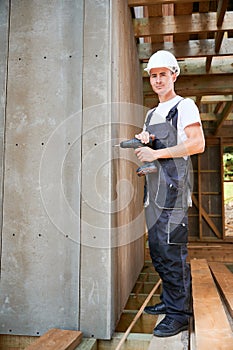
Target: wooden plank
226	111
204	214
175	342
135	341
192	48
224	279
221	10
212	329
192	66
194	24
15	342
57	339
199	196
198	85
133	3
87	344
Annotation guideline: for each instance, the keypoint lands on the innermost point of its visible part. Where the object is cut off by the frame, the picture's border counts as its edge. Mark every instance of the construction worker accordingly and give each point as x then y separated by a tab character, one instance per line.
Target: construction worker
177	128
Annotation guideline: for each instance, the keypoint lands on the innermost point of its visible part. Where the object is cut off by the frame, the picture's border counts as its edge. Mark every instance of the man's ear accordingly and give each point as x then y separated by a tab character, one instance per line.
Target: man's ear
174	77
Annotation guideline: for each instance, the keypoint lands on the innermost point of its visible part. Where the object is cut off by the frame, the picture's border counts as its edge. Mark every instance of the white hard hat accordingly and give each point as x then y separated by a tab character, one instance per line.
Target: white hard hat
165	59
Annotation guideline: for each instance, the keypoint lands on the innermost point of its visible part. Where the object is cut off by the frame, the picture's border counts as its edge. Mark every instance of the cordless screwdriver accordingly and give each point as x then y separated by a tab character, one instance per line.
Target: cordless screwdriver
134	143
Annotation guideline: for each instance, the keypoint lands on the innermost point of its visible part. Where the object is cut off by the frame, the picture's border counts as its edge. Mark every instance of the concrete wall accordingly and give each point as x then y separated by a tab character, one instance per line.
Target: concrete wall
40	251
72	233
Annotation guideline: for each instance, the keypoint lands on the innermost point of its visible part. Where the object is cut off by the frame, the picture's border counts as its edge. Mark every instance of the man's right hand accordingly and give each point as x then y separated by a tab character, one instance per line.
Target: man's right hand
144	137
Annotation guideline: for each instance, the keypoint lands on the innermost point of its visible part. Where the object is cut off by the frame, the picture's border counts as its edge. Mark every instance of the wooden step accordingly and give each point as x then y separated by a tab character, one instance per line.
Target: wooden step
57	339
212	329
87	344
224	279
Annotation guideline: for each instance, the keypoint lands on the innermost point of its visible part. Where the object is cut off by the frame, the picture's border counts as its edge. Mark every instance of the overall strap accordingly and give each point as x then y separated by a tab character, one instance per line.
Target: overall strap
173	115
169	117
148	119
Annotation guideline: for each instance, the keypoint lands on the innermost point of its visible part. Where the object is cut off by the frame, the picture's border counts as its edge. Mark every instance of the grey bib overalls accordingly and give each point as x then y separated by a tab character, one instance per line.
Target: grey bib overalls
166	218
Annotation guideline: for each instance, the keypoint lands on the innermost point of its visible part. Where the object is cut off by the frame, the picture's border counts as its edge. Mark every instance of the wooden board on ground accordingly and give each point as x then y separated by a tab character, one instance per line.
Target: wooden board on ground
176	342
57	339
212	329
224	279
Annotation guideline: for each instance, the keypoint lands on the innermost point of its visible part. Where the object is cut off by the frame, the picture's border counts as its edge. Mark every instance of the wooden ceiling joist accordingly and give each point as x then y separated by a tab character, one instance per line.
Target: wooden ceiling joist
196	23
225	113
221	10
193	48
199	85
200	35
135	3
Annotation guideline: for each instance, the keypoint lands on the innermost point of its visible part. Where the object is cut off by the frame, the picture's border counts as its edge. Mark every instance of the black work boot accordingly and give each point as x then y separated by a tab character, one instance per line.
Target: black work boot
169	327
156	309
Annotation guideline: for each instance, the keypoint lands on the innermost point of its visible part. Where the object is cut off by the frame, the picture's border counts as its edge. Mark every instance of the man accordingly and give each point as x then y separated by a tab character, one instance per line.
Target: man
176	125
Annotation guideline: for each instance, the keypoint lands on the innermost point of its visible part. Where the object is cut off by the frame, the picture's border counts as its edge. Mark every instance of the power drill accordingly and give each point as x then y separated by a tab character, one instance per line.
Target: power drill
134	143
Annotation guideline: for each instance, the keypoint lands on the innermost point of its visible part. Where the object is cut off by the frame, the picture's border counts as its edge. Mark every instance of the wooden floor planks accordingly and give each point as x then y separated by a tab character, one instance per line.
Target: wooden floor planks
212	329
224	280
57	339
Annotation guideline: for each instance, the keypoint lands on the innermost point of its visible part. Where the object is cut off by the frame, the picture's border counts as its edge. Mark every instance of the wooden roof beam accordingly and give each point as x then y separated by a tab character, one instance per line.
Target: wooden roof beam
225	113
135	3
197	66
183	24
221	10
208	63
198	85
194	48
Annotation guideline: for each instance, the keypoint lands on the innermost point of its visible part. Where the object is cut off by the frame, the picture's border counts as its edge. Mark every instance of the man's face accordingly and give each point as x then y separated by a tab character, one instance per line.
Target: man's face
162	80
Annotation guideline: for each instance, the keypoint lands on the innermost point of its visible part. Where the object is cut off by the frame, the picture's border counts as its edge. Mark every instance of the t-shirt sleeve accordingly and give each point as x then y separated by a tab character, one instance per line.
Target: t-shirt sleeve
189	113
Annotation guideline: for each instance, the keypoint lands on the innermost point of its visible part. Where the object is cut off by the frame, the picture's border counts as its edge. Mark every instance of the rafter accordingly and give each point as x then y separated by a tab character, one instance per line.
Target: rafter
196	67
199	85
194	48
221	10
134	3
225	113
183	24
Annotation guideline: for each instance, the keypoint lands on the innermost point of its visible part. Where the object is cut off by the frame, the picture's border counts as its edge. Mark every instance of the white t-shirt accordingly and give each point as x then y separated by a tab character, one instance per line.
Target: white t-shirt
187	114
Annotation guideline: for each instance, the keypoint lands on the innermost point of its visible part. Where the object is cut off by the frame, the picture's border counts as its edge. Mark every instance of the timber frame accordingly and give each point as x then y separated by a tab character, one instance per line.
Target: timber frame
200	35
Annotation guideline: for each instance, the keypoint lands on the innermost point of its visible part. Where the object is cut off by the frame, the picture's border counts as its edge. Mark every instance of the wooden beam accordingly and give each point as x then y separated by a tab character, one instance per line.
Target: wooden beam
198	66
134	3
218	107
218	41
198	85
226	111
57	339
224	278
216	99
200	226
221	10
208	63
206	217
193	48
212	329
194	24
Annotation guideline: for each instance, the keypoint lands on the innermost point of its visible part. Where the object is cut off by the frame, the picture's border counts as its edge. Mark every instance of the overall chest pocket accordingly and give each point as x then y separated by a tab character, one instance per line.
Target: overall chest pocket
165	135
